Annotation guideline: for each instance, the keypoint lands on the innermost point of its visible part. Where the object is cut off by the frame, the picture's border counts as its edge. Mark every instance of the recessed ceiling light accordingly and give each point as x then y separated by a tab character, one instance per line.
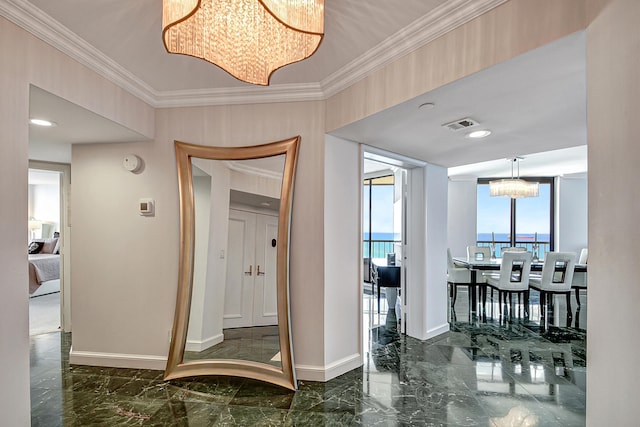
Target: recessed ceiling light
265	204
479	133
42	122
427	106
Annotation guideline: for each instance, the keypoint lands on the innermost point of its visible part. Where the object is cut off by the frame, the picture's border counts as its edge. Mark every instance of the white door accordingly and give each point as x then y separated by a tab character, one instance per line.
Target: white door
265	308
238	296
250	293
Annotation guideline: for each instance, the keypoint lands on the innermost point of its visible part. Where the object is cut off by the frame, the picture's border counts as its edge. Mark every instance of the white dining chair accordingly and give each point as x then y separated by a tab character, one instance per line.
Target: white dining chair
584	256
580	277
556	278
513	277
480	253
456	276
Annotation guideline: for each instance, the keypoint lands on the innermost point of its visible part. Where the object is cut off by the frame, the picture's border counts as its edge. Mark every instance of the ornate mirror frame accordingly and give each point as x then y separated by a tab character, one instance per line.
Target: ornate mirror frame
176	366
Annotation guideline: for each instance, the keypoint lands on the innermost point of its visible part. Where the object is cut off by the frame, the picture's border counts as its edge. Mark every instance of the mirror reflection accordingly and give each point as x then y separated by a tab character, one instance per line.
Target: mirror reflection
234	312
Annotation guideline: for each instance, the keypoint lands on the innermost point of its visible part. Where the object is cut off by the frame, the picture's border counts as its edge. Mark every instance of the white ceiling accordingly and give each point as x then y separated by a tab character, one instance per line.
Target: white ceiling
532	103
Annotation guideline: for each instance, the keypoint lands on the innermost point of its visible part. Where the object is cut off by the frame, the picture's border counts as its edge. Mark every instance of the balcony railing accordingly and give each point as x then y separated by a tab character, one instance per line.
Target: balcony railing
379	248
540	250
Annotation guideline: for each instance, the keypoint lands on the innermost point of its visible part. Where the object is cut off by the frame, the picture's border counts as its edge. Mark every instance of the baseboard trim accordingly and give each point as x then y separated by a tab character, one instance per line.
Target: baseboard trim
325	373
203	345
434	332
117	360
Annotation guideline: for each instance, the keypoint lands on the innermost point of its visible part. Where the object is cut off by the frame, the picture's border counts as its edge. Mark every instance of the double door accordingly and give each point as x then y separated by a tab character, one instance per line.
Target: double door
251	293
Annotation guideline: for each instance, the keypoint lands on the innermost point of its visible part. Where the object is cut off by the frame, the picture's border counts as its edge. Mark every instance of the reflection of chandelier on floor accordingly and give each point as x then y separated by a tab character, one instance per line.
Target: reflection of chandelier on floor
515	188
249	39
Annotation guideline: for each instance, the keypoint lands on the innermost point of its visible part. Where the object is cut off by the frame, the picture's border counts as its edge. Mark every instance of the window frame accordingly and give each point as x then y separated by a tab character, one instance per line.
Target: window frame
513	217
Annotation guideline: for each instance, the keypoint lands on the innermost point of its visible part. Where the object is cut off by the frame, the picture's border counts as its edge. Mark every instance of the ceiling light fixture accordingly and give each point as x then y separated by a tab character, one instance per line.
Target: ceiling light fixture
249	39
479	134
42	122
515	188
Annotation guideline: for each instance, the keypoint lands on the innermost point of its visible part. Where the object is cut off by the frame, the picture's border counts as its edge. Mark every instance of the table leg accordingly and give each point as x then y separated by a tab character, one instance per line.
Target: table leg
472	289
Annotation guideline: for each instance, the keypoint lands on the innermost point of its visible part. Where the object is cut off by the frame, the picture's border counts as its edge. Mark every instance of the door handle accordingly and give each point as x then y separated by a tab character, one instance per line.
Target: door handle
250	271
259	273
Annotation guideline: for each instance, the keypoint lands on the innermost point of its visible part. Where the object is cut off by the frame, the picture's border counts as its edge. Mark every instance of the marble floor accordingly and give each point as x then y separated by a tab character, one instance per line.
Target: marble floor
488	373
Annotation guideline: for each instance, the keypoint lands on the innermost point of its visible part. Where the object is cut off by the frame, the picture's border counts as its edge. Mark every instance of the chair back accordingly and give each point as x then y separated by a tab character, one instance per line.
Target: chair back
584	255
514	270
450	263
557	271
481	253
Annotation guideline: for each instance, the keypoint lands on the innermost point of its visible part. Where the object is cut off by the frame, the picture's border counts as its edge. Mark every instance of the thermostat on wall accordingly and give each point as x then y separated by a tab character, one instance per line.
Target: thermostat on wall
132	163
145	207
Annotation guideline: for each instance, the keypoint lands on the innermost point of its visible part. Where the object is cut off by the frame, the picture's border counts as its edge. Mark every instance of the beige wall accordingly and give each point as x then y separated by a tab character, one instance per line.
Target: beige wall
513	28
25	60
613	102
136	298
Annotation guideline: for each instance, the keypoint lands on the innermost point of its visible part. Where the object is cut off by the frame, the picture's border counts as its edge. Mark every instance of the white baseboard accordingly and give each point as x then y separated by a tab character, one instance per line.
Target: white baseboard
117	360
325	373
193	345
434	332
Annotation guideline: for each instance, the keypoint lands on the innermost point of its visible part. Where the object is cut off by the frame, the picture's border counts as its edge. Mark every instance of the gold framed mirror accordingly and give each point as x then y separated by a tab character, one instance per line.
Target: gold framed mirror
232	309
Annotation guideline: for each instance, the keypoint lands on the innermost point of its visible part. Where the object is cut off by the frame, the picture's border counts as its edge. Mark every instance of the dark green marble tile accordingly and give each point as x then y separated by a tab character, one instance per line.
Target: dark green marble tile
251	416
477	373
263	395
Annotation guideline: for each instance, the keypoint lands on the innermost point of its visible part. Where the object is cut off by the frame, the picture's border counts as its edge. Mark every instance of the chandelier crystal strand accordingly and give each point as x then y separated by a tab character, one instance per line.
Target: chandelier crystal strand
243	37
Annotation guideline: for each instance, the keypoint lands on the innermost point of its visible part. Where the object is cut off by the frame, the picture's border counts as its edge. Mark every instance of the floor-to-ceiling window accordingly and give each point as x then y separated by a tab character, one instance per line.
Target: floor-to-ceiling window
378	234
526	222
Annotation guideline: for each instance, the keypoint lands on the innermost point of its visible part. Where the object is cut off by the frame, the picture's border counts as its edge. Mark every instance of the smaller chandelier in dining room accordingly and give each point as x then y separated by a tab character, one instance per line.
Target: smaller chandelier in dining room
249	39
514	188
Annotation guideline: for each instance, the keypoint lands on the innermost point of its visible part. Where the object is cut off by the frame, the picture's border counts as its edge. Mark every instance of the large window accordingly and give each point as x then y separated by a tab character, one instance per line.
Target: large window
526	222
378	220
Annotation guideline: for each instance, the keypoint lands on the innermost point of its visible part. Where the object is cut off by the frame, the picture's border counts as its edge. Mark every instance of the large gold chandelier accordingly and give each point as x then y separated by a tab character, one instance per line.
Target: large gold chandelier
249	39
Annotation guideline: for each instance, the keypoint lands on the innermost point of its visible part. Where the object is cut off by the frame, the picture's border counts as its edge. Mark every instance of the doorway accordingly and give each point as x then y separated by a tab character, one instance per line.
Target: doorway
49	271
383	245
251	293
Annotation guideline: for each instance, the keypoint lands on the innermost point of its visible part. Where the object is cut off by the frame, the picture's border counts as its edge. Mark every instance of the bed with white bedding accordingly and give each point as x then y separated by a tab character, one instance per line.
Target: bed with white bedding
44	267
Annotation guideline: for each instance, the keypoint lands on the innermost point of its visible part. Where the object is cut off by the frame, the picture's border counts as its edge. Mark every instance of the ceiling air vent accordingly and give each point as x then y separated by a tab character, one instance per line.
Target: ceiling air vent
460	124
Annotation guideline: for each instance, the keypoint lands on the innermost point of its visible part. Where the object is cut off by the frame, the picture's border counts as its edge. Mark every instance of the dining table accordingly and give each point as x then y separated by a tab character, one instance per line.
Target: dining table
480	265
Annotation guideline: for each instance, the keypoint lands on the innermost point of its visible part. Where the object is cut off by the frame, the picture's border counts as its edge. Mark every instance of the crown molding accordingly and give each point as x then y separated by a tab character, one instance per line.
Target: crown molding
47	29
443	19
240	95
450	15
252	170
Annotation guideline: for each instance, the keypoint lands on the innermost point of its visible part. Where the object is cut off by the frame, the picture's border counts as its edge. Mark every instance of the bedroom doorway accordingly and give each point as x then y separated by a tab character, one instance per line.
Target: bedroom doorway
49	308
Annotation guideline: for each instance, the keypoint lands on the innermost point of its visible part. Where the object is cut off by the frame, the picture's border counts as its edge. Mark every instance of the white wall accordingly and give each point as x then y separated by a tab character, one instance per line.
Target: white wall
342	256
426	302
572	209
202	208
462	210
46	203
613	92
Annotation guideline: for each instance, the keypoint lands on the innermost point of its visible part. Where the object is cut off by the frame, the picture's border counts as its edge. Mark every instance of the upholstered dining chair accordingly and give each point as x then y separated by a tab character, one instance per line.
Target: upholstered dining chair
580	277
513	277
584	256
479	252
456	276
556	278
